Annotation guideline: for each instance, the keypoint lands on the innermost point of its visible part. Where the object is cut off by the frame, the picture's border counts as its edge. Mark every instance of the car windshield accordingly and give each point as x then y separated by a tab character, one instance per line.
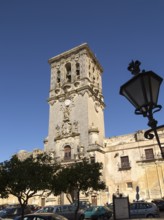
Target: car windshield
2	212
46	209
10	210
92	208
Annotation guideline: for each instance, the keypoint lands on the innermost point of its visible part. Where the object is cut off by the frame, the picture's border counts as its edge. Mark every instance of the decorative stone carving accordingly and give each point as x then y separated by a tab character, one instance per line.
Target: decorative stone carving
52	102
76	58
97	105
52	154
61	99
82	93
58	130
66	128
58	66
66	113
75	127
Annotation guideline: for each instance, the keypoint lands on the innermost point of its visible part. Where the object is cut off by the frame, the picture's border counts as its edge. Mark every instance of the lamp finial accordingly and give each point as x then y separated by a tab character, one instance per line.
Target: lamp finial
134	67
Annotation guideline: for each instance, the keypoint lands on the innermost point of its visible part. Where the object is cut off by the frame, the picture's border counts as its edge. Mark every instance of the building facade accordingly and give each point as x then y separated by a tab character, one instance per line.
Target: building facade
76	117
76	130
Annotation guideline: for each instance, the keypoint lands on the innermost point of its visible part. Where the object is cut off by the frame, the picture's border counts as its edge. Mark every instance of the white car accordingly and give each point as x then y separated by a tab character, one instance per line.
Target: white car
144	210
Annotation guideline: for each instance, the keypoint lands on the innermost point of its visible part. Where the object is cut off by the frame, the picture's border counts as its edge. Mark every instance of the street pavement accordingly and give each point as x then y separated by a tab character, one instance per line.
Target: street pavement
161	217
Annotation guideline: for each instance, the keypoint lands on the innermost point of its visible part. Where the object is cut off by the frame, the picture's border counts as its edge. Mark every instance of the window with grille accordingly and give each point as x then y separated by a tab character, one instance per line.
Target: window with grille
67	152
149	154
129	185
125	162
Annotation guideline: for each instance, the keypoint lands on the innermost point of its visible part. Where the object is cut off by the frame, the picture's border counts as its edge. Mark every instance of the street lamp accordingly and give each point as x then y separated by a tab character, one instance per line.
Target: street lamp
142	91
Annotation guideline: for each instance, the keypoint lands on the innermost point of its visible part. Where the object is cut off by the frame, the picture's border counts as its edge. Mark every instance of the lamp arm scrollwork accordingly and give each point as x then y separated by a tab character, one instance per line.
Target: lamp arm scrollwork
158	108
148	134
146	112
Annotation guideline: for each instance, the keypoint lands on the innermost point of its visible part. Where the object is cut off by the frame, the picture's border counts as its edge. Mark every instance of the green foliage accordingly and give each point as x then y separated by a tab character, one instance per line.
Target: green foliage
82	176
24	178
79	177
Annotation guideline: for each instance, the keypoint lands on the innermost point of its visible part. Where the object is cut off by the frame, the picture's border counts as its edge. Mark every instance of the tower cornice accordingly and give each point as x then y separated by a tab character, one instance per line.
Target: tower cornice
75	50
79	91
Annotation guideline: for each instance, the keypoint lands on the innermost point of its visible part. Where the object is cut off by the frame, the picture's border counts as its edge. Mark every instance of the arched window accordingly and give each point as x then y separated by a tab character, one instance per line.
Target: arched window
68	72
58	76
94	79
67	152
78	70
92	159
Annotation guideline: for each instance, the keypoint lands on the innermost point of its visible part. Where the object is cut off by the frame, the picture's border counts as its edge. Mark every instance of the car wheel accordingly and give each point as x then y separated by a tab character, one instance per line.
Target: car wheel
100	218
105	217
150	216
81	217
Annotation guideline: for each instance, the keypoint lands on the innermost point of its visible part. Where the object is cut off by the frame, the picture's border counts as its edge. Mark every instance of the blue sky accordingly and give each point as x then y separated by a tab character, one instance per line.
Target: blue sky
31	32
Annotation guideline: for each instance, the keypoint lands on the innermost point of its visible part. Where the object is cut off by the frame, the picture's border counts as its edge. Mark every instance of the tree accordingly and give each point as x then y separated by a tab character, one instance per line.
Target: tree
24	178
79	177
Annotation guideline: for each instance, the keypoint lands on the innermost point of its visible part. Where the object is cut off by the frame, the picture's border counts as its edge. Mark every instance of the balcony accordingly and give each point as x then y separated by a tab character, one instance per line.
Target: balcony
150	158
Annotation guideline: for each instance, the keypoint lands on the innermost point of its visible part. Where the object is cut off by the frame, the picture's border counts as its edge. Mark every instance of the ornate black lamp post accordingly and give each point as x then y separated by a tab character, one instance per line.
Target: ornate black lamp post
142	91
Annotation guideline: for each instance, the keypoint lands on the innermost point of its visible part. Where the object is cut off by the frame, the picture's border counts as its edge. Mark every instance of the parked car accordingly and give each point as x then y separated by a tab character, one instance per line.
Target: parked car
159	203
12	212
2	207
2	212
34	208
42	216
110	206
97	213
83	204
144	210
67	211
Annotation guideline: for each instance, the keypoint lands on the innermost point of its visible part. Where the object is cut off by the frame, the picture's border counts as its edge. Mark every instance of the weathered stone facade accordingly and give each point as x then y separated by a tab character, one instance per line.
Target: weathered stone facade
76	118
131	161
76	125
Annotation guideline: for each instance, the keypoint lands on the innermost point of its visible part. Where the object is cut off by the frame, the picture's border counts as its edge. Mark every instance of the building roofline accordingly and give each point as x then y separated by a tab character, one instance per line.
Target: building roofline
73	50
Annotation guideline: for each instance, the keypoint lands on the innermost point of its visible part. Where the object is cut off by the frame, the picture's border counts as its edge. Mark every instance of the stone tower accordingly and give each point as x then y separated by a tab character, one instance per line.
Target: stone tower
76	117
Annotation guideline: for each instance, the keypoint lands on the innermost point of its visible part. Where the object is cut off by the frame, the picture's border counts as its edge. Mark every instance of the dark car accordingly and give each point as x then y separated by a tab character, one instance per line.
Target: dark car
42	216
159	203
82	204
110	205
12	212
97	213
144	210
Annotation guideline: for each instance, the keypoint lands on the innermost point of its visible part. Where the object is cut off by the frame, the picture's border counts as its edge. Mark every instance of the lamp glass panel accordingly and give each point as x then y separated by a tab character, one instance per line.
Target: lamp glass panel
142	90
134	92
155	84
146	88
151	84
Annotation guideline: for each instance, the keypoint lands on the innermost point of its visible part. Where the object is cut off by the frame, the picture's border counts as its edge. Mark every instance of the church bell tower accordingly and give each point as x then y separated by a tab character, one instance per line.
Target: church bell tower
76	116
